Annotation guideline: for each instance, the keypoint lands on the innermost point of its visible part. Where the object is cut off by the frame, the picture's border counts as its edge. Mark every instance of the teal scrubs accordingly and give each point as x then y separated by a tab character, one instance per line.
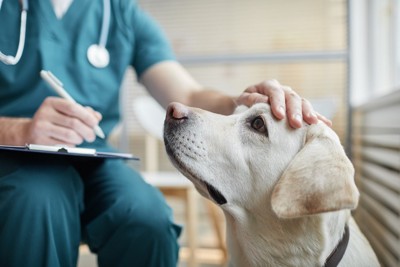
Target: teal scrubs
48	205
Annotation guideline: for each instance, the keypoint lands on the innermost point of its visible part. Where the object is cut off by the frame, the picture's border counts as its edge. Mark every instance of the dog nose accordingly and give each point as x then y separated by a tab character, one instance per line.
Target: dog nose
177	111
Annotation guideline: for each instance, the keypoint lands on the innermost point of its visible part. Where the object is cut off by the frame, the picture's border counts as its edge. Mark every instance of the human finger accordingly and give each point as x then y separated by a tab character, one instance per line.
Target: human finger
250	98
272	92
76	110
53	111
94	112
293	107
324	119
45	132
276	94
82	129
309	115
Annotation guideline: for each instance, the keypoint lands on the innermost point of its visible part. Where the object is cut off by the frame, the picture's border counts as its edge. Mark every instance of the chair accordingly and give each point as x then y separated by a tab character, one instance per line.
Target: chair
172	184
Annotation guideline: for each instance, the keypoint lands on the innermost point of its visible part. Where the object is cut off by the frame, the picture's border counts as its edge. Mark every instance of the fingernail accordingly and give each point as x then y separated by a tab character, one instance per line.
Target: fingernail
99	115
298	118
90	139
312	114
282	110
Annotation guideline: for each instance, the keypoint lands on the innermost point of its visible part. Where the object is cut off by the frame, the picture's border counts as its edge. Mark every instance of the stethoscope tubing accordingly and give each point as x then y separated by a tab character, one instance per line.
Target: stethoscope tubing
105	24
13	60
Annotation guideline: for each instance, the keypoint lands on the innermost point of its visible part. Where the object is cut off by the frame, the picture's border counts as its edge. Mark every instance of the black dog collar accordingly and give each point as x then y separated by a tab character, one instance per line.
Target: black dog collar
337	254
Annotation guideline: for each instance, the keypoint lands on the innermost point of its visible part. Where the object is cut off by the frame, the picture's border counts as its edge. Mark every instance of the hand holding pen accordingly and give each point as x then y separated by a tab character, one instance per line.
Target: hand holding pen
62	120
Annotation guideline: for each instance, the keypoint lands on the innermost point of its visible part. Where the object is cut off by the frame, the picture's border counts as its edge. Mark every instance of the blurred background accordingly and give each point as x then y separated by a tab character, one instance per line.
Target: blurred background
344	56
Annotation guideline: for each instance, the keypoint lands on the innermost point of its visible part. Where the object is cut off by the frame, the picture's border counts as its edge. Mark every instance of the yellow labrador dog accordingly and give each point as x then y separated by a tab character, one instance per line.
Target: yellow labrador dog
286	193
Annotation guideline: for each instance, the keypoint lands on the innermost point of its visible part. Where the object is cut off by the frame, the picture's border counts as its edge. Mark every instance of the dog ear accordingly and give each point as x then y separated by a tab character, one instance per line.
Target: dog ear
319	179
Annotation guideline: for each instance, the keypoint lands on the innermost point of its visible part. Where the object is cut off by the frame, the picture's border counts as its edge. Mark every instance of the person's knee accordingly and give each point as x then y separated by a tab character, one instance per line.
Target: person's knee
134	218
151	217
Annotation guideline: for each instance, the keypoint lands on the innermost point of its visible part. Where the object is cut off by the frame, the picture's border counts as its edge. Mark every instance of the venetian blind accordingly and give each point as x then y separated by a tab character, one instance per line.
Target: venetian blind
376	146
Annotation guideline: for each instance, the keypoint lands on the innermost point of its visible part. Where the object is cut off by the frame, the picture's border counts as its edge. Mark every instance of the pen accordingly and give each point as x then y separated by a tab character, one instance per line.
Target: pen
58	87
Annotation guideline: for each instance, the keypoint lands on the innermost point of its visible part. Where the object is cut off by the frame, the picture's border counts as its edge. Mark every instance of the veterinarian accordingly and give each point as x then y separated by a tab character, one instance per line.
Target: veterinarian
49	205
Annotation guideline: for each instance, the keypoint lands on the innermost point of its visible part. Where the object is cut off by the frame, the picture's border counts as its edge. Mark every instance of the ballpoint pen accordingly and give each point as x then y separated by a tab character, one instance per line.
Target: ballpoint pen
58	87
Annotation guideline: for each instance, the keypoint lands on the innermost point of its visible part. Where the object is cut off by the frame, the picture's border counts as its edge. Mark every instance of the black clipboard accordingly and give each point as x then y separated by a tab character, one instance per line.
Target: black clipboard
61	150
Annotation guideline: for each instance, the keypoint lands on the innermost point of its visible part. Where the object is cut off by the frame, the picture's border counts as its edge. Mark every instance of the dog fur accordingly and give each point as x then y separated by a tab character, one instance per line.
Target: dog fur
286	193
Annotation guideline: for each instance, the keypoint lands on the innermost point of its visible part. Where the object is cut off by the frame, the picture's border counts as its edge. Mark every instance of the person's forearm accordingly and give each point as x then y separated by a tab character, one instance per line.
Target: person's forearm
213	101
13	130
169	82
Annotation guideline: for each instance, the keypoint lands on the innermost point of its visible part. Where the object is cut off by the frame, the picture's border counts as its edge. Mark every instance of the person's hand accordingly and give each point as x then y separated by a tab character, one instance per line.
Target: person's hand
282	100
58	121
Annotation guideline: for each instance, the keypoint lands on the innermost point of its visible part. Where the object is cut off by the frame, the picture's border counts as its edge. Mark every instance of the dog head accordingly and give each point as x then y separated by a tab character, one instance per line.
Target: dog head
250	159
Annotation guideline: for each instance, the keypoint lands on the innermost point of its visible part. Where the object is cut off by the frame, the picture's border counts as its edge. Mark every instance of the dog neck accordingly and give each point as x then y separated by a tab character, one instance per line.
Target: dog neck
306	241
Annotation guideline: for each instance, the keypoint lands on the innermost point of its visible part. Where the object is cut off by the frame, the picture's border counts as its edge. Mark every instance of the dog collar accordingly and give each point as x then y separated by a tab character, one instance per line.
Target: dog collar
337	254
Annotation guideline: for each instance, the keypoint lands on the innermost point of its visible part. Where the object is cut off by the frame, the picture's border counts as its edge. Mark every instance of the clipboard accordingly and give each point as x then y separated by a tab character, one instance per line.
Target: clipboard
62	150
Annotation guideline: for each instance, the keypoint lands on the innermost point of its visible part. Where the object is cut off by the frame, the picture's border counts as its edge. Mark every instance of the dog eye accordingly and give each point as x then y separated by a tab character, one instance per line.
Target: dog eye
258	124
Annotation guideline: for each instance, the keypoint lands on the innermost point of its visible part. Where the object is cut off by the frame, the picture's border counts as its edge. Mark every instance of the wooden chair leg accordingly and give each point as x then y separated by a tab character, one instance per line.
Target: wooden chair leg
191	213
215	219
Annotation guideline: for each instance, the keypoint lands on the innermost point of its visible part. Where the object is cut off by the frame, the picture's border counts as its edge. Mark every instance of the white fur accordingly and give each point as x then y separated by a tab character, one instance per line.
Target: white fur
289	194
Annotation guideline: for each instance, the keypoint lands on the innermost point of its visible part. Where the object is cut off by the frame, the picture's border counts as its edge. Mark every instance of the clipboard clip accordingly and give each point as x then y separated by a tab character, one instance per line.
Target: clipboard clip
62	149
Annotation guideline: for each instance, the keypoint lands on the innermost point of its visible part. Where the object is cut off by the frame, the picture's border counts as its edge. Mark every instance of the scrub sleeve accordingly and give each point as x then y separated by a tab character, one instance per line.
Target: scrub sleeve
48	205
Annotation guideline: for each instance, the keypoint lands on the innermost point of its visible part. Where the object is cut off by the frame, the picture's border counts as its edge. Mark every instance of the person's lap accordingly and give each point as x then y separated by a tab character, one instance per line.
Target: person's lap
137	205
46	202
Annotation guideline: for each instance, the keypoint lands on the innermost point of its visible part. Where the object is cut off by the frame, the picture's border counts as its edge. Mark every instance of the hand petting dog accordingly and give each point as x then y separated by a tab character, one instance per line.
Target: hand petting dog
282	99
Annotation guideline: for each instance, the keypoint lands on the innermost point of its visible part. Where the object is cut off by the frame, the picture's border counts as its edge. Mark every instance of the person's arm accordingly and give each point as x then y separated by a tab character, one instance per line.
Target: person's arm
13	130
168	81
57	121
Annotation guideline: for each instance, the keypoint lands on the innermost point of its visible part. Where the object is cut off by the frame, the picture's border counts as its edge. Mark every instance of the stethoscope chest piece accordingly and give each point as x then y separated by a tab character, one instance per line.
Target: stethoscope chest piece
98	56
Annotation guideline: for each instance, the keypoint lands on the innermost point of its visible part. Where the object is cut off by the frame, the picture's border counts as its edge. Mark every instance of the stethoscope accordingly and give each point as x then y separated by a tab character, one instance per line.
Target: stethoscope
97	54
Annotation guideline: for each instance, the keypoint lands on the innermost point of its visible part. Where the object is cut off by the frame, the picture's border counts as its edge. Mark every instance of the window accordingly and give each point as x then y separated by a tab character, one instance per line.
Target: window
375	48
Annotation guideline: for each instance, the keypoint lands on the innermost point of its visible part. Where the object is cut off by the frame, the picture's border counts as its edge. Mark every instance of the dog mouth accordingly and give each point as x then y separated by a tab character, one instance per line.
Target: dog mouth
215	194
203	186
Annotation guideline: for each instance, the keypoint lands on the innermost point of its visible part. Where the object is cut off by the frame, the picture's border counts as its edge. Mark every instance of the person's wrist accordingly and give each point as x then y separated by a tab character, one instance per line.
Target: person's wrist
234	102
22	131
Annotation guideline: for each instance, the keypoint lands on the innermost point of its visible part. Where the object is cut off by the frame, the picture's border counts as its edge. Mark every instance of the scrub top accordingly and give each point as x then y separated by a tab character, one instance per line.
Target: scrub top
60	46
